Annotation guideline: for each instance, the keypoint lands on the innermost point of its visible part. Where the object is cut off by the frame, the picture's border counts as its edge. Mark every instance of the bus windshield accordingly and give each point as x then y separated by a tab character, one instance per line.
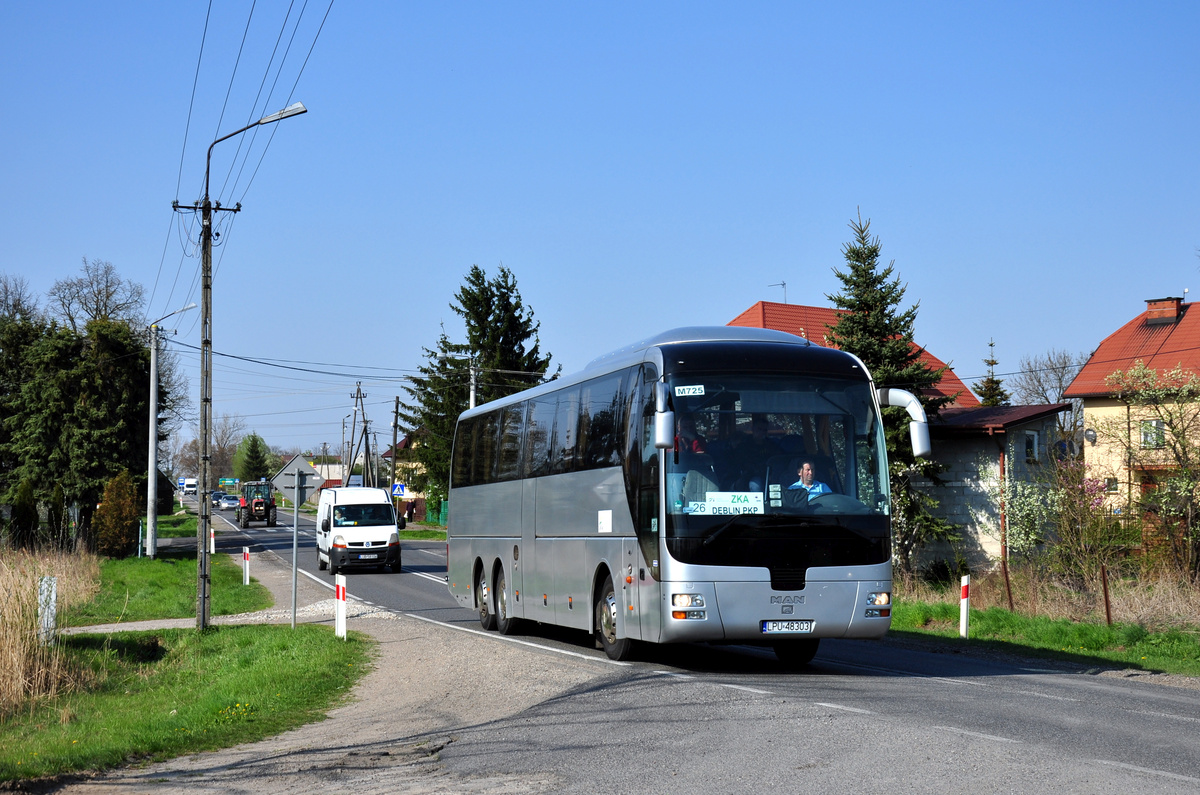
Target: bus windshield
776	450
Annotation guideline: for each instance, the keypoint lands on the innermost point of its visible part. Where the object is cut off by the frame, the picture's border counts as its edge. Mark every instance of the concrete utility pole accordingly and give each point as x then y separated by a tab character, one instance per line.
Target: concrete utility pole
395	426
204	492
152	467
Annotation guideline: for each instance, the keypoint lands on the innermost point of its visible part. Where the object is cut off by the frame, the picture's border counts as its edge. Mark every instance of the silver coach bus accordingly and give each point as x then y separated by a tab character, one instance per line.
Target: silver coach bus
724	484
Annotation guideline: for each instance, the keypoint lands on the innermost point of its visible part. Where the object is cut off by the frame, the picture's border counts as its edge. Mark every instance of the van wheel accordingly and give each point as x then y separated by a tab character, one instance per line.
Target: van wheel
487	619
322	563
606	624
505	624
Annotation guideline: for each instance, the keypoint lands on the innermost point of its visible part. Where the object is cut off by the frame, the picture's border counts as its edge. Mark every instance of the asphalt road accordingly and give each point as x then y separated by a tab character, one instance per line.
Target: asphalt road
891	716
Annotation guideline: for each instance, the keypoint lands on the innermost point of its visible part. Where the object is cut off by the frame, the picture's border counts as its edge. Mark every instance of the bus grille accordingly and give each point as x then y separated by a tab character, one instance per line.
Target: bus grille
787	579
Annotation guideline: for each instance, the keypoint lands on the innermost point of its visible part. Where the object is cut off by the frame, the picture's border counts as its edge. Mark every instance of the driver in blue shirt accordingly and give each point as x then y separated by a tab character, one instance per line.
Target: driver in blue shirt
808	480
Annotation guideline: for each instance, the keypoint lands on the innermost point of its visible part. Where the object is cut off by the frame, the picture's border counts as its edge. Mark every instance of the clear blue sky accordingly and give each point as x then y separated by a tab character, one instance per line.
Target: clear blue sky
1030	167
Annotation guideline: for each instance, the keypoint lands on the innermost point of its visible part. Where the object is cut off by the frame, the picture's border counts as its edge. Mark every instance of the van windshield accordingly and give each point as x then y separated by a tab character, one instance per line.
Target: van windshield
355	515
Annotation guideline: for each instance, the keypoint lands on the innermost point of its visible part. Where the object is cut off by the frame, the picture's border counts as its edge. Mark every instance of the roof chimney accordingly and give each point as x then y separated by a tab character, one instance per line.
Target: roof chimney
1160	311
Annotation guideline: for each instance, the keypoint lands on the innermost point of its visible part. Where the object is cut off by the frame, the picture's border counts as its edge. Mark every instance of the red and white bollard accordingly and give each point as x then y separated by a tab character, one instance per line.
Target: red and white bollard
339	606
212	540
245	565
964	607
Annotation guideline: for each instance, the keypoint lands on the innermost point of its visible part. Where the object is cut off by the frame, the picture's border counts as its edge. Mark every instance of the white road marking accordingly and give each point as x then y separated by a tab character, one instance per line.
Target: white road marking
1150	771
492	636
991	737
747	689
845	709
675	675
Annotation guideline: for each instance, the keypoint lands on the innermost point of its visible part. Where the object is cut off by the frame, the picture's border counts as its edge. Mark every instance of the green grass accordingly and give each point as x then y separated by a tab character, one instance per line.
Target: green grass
178	526
155	695
137	589
417	532
1129	645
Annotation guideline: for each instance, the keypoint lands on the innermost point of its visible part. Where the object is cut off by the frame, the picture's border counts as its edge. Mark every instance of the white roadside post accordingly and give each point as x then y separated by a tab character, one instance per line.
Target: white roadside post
47	609
339	606
245	565
964	607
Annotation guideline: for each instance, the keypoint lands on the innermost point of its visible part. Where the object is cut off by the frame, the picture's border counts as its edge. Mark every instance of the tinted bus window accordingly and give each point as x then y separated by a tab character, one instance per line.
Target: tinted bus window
512	422
566	431
539	430
487	433
601	416
464	445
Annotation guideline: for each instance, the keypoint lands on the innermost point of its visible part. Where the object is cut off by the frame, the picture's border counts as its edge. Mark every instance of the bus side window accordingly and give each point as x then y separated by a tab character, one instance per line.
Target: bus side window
539	430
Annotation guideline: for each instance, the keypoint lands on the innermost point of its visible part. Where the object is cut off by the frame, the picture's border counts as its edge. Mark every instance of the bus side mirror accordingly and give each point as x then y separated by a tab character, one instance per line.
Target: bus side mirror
664	419
918	429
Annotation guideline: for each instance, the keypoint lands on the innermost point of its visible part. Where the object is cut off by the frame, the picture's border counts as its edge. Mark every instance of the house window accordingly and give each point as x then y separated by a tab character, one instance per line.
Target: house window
1154	434
1110	484
1031	447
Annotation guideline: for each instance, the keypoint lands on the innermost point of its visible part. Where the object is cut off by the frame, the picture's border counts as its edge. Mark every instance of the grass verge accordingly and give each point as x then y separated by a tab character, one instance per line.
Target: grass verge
154	695
417	532
1174	650
138	589
180	525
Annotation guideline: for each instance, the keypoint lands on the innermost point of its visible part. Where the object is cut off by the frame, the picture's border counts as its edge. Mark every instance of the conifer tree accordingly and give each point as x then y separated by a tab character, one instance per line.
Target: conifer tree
253	459
873	326
503	346
991	390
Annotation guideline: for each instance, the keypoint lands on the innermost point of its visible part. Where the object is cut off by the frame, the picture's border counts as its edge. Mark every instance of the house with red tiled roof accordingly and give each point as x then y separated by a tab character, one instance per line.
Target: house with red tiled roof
979	447
811	322
1124	444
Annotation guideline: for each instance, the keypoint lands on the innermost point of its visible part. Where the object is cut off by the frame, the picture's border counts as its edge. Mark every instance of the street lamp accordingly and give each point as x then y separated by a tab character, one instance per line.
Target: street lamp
206	232
152	468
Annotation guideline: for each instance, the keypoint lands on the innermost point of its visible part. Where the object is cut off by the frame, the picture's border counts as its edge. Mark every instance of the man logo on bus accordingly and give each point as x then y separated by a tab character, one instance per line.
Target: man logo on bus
787	600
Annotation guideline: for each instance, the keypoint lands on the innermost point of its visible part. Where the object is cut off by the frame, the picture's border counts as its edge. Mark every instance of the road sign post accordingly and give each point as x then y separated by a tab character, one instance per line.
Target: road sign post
297	484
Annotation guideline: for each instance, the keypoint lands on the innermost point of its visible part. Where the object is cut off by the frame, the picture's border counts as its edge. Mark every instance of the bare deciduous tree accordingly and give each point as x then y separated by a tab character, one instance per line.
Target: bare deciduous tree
99	294
1044	378
16	299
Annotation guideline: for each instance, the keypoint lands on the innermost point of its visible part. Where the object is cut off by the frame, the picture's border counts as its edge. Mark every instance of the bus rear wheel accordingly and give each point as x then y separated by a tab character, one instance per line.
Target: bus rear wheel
606	624
797	653
505	624
487	619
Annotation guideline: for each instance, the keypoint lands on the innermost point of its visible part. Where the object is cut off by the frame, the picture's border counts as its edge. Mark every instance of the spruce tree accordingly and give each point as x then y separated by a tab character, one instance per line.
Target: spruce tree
991	390
501	342
874	327
253	459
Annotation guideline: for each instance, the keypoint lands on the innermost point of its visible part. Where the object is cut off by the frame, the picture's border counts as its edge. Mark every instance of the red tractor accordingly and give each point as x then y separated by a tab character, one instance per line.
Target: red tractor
256	503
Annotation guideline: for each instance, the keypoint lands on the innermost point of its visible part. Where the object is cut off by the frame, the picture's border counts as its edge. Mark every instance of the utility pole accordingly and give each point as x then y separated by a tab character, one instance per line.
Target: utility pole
204	492
395	425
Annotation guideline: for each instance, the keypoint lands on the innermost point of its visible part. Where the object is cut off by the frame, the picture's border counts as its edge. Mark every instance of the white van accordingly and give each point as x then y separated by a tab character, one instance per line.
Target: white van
357	527
189	485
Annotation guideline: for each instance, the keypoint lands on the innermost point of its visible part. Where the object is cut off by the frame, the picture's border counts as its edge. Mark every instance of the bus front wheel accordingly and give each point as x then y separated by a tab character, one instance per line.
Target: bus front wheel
606	624
487	619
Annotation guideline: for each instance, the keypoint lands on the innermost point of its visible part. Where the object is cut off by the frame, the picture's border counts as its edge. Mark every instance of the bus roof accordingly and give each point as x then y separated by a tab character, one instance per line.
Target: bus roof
706	342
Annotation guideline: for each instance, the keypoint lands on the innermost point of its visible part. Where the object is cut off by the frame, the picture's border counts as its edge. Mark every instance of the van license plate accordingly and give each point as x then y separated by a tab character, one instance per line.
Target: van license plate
784	627
368	557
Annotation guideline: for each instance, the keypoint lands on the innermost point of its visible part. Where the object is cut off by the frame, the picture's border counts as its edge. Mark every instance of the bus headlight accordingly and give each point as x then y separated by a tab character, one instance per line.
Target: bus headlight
687	600
881	598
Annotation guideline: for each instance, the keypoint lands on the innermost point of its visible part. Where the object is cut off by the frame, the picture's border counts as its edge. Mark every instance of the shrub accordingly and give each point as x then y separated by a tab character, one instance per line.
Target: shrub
117	517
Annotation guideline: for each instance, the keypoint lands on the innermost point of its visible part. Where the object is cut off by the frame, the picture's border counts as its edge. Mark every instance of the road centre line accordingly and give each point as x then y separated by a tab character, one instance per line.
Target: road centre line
1148	770
494	636
747	689
990	737
845	708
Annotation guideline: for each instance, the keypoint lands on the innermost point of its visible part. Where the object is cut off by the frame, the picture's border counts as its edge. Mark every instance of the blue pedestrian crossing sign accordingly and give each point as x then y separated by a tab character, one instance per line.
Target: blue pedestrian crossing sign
397	489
